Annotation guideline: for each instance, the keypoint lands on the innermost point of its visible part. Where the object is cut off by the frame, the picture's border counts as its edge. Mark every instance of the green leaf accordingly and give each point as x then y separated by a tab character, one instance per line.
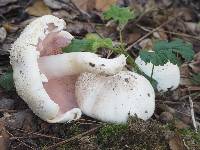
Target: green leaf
164	51
119	14
89	44
176	46
78	45
102	43
6	81
195	79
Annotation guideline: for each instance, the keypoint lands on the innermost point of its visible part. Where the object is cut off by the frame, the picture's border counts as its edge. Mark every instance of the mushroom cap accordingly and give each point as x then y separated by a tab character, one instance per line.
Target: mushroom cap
167	76
112	98
44	77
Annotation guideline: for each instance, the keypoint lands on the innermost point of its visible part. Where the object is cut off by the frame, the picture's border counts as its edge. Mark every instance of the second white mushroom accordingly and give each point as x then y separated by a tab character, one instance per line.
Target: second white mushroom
167	76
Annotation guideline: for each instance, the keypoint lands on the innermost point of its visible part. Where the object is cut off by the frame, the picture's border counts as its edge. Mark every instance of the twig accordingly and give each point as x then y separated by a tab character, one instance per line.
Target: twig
23	143
73	138
33	133
186	146
154	30
8	110
79	10
175	33
192	114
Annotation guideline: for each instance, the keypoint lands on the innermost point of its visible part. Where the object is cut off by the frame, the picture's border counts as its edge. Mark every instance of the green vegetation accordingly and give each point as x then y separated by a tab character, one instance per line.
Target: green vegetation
164	51
6	81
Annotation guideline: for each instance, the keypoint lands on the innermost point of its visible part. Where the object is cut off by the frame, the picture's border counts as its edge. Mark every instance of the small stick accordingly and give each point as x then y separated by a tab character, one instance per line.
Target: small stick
148	29
154	30
72	138
192	114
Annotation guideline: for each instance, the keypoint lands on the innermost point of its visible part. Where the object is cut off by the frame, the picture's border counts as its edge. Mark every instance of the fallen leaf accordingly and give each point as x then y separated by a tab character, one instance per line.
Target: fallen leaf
89	5
103	5
146	44
85	5
38	9
10	27
160	35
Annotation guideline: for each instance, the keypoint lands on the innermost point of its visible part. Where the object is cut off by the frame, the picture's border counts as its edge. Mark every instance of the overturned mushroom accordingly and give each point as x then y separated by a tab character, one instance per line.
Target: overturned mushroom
167	76
112	98
44	77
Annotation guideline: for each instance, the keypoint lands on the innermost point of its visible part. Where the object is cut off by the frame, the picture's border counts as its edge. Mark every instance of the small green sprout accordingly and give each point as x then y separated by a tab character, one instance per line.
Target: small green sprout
121	15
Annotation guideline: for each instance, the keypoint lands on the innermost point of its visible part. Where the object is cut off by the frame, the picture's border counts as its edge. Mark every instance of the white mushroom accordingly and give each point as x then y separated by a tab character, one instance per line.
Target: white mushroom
167	76
112	98
44	77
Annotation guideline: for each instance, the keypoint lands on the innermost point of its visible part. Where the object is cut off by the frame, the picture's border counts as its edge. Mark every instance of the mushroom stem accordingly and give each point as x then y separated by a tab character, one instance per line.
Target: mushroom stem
78	62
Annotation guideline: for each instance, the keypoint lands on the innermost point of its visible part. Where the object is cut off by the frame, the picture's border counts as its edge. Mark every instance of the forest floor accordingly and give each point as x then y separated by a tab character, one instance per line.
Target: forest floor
173	125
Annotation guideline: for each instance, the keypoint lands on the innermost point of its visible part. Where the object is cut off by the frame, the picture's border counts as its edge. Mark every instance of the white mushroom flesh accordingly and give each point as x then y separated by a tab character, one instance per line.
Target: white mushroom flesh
46	86
167	76
112	98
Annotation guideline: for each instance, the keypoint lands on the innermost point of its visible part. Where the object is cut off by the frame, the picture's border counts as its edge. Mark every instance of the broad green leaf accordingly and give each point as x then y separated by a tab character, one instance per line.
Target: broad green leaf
89	44
6	81
119	14
78	45
164	51
176	46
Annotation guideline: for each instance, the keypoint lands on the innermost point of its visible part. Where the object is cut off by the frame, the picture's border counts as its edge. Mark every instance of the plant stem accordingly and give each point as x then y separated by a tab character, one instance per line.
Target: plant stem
152	72
121	39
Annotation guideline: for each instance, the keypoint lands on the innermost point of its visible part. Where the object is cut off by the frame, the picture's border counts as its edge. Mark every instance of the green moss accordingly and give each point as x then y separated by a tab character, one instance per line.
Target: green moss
136	134
191	138
111	131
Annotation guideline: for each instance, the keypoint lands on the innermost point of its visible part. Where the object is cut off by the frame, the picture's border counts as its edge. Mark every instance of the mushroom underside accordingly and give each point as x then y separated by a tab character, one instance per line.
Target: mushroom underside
59	88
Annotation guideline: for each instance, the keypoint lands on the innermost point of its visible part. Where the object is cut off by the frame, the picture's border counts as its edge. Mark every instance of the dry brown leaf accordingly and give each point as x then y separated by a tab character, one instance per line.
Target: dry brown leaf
85	5
160	35
103	5
88	5
10	27
146	44
38	9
